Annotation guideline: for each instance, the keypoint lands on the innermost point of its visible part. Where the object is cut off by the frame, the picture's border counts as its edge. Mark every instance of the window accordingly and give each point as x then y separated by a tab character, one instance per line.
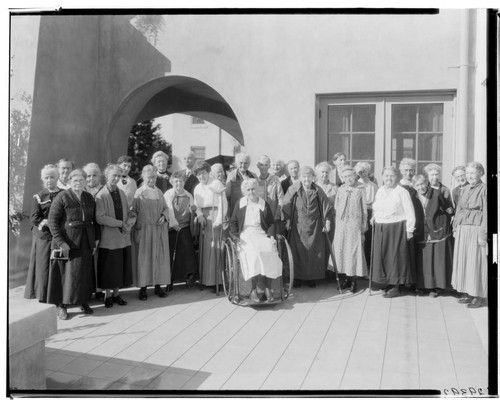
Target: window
199	152
417	132
197	121
351	130
381	129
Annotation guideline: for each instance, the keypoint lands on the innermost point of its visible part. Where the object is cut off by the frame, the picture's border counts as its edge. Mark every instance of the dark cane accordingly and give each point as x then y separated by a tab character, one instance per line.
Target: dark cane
371	261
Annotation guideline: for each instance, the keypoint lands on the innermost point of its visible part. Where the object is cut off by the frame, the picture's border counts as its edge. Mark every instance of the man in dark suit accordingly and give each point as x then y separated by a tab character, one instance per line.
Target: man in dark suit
293	169
191	180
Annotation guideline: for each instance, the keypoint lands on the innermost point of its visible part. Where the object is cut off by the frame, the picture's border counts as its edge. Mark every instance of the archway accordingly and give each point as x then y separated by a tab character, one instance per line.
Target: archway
168	95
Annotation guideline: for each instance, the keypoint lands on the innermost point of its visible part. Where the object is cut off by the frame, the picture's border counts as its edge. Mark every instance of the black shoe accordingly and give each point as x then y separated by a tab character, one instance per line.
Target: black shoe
345	284
476	302
62	313
394	292
99	295
189	280
465	299
354	287
118	299
143	294
108	303
159	291
86	309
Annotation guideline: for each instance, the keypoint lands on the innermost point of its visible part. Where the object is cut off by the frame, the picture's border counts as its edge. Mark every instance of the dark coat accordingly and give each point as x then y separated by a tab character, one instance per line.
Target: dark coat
69	218
435	221
40	211
285	184
191	182
237	221
233	188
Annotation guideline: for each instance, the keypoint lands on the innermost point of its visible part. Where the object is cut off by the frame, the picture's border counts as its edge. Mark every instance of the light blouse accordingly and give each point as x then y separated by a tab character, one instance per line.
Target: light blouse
394	205
211	195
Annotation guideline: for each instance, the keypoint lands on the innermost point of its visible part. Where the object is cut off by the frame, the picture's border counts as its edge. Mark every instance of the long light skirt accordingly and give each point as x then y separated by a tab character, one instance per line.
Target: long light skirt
258	254
470	264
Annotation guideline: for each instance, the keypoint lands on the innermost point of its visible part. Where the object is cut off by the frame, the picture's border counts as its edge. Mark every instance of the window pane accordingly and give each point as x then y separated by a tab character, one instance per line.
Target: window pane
430	147
338	143
339	119
199	152
371	162
197	121
363	146
421	166
403	146
430	118
404	118
363	118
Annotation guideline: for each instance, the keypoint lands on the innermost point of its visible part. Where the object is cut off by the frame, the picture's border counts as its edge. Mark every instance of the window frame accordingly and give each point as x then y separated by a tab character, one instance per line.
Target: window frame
383	115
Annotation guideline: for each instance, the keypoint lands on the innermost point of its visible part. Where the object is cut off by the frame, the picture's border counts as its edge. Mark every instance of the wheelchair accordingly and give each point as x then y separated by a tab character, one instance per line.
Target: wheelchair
238	290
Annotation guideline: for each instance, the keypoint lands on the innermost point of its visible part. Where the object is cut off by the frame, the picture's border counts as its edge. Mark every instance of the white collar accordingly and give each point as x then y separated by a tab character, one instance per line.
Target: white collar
244	202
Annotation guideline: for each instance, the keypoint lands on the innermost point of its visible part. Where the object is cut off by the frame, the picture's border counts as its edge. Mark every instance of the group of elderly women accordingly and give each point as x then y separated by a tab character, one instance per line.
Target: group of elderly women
94	237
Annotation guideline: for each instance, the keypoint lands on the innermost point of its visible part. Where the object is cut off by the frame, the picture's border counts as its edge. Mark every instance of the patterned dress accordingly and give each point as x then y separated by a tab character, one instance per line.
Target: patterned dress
151	253
470	262
350	225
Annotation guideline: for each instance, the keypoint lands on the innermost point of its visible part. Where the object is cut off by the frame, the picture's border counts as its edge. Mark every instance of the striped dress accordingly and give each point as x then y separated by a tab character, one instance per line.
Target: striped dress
470	263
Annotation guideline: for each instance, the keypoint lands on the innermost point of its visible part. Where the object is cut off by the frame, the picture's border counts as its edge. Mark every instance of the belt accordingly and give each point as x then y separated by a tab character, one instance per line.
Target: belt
78	224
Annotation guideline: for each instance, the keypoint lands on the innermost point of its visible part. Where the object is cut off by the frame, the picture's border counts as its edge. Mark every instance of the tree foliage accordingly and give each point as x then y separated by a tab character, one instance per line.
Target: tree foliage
143	142
20	123
150	26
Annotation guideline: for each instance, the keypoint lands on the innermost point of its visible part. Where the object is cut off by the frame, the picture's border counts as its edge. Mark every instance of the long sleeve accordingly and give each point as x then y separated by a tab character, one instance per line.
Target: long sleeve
56	214
234	228
280	195
364	210
102	217
408	210
484	221
169	196
36	212
288	200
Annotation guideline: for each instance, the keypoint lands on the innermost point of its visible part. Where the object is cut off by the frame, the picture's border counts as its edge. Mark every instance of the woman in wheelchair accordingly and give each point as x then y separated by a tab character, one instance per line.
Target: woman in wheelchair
258	254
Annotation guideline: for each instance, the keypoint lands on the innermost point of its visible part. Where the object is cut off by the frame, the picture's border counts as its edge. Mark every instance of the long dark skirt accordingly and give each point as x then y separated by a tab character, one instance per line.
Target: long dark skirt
182	247
368	239
391	261
309	250
434	264
73	281
38	271
114	268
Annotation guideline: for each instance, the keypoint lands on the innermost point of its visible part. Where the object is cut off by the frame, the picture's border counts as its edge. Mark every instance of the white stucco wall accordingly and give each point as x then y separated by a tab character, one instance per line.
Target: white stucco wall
270	67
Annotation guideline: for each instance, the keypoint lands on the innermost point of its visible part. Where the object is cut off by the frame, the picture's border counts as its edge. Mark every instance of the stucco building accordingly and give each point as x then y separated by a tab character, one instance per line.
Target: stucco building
294	86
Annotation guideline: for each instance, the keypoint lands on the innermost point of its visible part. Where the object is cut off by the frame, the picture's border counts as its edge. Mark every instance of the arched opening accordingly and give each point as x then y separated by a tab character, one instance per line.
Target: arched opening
168	95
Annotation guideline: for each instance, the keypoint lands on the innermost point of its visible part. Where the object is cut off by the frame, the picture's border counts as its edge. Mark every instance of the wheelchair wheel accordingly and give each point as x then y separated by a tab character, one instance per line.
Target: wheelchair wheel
228	269
285	253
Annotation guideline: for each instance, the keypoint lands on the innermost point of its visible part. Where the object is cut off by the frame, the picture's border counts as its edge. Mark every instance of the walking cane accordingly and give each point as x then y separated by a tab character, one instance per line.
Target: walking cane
216	249
201	241
172	269
371	261
329	247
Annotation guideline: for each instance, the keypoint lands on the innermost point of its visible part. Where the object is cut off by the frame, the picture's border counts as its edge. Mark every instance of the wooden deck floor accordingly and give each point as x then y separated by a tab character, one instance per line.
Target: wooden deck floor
317	340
